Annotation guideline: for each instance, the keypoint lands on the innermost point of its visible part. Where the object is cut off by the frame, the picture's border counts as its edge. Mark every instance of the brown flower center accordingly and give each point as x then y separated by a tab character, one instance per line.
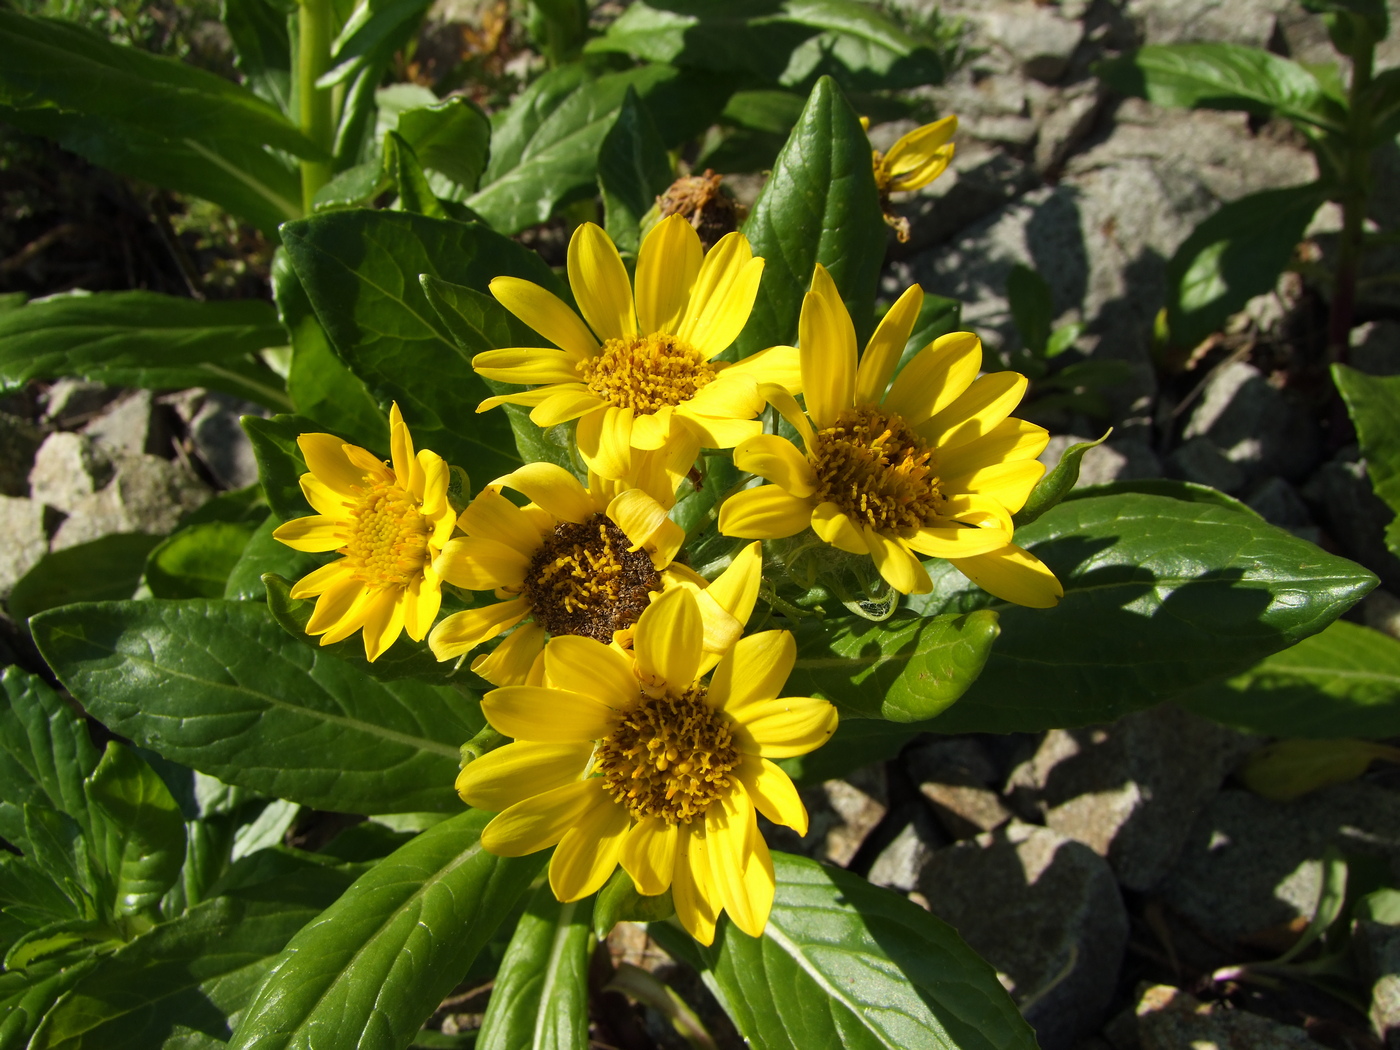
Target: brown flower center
585	581
669	757
877	470
646	373
388	537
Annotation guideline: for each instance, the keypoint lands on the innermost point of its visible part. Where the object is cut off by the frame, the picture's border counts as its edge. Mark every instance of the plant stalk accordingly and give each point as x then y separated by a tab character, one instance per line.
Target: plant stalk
316	115
1354	200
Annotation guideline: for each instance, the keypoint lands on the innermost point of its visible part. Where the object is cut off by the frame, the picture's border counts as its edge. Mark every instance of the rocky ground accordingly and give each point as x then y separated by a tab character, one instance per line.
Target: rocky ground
1107	873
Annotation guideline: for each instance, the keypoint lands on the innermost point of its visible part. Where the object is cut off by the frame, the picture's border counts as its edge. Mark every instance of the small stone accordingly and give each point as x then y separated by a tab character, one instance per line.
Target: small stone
1340	494
23	537
1065	127
1376	947
1248	22
147	494
980	180
1040	40
1006	130
73	402
1204	462
219	439
1381	612
1045	911
966	811
19	441
1278	503
899	863
1375	348
840	814
1170	1019
132	424
1261	429
67	469
955	774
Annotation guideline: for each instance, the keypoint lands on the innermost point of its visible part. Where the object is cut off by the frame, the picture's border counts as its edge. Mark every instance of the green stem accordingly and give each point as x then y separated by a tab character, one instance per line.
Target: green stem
1355	191
315	109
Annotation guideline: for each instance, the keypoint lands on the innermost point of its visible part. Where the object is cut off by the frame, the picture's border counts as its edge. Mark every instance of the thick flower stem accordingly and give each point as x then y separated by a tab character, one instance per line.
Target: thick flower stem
315	112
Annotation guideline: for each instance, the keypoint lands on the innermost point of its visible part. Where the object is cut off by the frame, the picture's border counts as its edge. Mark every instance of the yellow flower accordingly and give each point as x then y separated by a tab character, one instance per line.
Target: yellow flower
649	379
577	561
389	522
635	760
932	467
916	159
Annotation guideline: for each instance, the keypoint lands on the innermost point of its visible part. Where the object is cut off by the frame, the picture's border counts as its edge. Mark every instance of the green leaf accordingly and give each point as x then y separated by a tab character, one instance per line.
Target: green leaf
845	963
1057	484
540	1001
143	339
1289	769
857	742
378	961
196	561
280	463
361	270
372	32
264	555
107	568
1342	682
619	901
452	137
27	995
905	669
1160	597
1234	255
819	206
1380	906
633	169
1185	491
220	687
1032	309
1062	338
149	830
258	29
1221	76
56	845
415	195
1373	402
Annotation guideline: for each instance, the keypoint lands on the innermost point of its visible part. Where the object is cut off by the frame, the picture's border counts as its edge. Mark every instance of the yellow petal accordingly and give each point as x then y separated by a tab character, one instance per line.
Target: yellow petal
957	542
731	395
649	853
553	488
736	588
383	621
421	601
528	712
436	475
314	534
605	441
335	606
691	889
325	457
532	366
1013	575
481	564
899	565
510	662
773	792
986	403
1011	439
779	365
787	726
886	346
599	283
652	431
922	155
317	581
588	852
669	640
400	445
977	510
722	296
564	404
788	408
755	670
667	266
936	377
490	516
510	774
645	523
528	398
591	668
541	821
764	513
711	432
352	620
1009	484
730	833
835	526
325	500
547	314
776	459
828	345
464	631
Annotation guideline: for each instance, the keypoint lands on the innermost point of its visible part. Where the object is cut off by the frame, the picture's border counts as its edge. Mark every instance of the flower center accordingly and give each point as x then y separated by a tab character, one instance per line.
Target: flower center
585	581
388	537
877	470
646	373
669	757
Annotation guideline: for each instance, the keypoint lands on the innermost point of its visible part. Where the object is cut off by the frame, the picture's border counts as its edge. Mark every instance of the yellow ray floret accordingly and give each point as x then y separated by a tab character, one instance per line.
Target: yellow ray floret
933	466
641	373
633	759
577	561
917	158
390	522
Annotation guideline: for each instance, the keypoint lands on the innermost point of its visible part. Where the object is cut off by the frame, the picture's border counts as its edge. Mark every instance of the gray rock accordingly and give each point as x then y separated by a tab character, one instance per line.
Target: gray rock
1251	865
147	494
957	777
898	864
840	814
1381	612
1118	459
1037	37
221	443
980	180
72	402
1131	790
1278	503
19	441
1261	429
1170	1019
1375	348
1203	461
1045	911
23	538
131	424
1340	494
1249	22
1377	950
67	469
1065	126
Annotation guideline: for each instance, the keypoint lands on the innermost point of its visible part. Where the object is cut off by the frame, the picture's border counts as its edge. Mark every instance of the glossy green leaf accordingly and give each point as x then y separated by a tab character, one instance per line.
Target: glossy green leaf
148	827
1289	769
1185	491
415	195
258	30
1032	309
452	136
1220	76
27	995
619	901
1057	484
857	742
904	669
280	463
633	170
819	206
1161	596
1234	255
196	561
540	1001
361	270
1342	682
55	842
372	32
375	964
845	963
1373	403
261	556
107	568
220	687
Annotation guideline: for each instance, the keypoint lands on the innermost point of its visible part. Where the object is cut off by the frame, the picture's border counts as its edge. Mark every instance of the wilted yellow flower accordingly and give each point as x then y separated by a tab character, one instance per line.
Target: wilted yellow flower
389	522
635	760
577	561
912	163
648	379
931	467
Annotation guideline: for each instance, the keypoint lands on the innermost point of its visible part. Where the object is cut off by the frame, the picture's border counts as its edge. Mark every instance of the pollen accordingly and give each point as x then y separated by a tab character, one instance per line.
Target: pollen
877	470
670	757
585	580
388	536
646	373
